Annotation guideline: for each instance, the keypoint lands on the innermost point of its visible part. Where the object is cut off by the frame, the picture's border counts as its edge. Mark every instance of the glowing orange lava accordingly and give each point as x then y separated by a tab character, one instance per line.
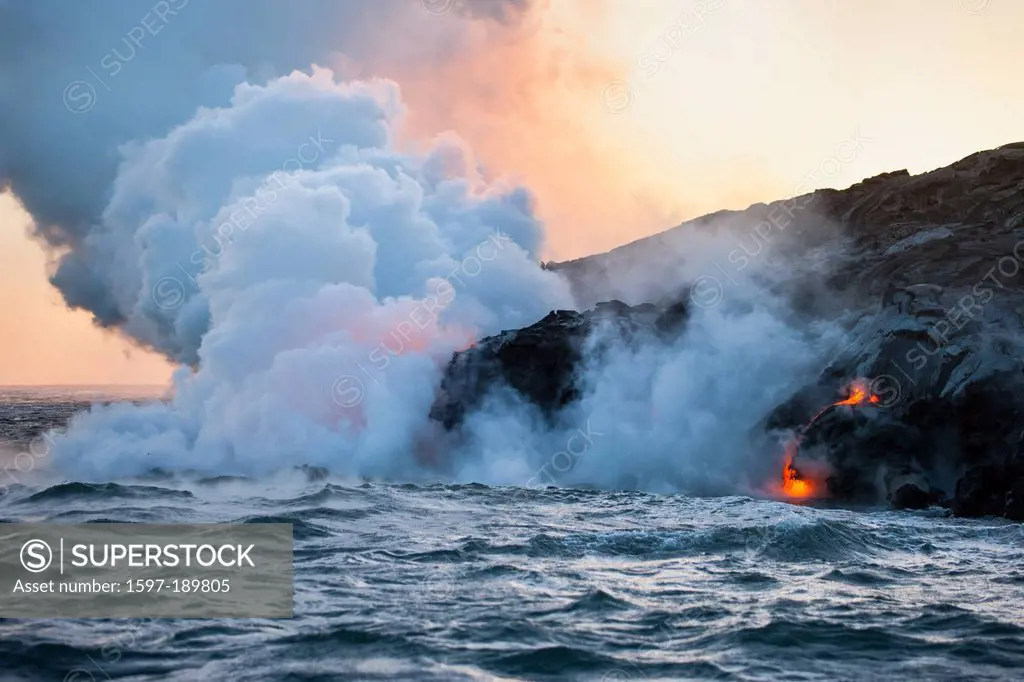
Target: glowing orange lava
856	397
796	487
859	393
794	484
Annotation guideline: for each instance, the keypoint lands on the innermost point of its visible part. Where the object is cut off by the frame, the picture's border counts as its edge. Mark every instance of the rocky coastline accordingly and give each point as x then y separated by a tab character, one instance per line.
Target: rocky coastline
926	270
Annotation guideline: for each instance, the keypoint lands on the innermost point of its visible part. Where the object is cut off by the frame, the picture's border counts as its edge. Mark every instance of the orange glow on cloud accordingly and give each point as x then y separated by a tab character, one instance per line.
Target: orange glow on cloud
529	104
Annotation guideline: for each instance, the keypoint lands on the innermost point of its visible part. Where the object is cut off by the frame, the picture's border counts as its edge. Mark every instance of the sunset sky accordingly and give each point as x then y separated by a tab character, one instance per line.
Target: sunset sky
673	109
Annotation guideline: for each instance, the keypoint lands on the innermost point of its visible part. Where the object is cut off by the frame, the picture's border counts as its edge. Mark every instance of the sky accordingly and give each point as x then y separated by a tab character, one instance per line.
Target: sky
43	342
627	118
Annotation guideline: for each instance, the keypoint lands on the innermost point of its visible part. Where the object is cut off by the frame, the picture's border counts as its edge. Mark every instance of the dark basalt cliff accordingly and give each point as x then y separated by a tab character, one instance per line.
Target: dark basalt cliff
925	273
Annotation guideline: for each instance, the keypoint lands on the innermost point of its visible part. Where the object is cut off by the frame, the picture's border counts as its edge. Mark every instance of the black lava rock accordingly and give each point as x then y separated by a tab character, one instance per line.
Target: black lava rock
541	361
981	491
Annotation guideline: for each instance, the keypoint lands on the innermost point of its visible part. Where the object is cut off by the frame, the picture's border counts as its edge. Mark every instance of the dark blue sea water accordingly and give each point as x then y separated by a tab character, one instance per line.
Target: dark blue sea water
469	582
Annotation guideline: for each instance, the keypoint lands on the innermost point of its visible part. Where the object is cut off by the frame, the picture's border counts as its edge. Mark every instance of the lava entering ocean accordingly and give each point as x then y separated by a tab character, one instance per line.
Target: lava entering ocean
794	484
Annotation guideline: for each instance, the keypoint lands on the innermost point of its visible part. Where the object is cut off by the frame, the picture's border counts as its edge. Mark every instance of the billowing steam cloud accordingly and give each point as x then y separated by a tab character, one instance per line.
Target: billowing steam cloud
316	277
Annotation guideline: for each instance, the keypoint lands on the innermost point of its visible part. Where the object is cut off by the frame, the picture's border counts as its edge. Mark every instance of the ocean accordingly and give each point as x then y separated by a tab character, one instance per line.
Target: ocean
470	582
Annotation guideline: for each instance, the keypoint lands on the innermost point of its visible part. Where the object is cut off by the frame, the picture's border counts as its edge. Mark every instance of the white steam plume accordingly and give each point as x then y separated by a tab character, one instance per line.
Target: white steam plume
318	279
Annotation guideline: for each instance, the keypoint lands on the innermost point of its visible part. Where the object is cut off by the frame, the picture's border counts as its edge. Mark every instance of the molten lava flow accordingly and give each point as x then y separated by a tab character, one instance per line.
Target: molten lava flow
794	485
859	392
